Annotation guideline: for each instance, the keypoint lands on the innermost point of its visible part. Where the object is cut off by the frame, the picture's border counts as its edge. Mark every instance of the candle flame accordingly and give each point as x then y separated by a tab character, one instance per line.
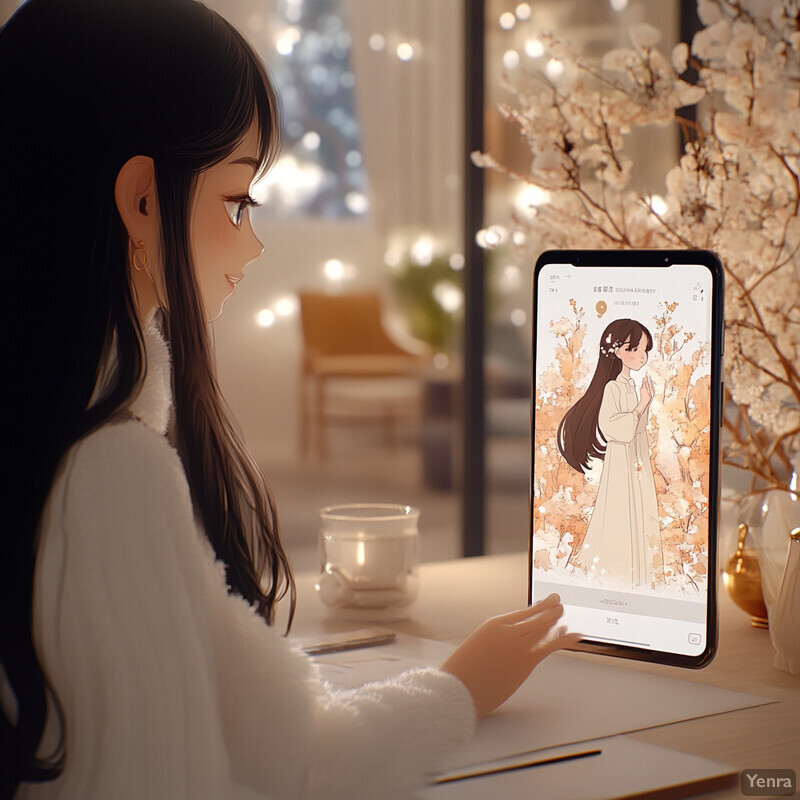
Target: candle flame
360	554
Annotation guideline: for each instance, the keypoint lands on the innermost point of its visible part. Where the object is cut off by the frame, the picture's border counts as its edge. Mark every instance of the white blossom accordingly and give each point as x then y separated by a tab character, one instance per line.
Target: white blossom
734	190
621	59
644	36
759	9
680	57
709	12
711	43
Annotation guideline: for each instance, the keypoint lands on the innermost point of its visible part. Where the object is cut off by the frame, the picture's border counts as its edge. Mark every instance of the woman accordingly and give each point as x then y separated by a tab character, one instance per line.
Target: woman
610	423
142	561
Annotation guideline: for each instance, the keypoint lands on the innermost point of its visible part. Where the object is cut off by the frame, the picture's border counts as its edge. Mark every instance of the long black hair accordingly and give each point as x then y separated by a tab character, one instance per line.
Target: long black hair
579	438
86	85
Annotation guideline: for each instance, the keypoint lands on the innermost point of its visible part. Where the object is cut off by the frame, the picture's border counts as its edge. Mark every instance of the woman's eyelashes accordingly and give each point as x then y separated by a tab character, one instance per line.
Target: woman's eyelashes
236	207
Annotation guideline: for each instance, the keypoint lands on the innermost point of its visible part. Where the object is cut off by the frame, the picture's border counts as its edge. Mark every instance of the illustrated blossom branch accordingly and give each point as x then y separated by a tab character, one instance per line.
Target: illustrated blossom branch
735	189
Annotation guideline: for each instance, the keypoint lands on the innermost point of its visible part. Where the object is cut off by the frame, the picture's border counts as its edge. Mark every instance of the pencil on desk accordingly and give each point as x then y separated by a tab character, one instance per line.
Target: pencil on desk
356	643
538	763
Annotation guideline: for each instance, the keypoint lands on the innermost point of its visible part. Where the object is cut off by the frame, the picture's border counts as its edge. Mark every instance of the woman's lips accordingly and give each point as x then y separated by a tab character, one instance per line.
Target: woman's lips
232	280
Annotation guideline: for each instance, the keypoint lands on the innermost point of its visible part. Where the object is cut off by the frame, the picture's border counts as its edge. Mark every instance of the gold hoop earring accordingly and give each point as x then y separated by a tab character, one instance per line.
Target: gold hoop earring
140	262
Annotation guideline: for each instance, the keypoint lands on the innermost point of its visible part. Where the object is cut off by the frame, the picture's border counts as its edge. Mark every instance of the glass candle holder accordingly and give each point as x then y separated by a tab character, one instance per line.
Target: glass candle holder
369	559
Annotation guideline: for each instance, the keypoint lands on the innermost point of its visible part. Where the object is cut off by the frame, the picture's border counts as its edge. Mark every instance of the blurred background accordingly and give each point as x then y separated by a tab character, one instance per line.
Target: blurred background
369	226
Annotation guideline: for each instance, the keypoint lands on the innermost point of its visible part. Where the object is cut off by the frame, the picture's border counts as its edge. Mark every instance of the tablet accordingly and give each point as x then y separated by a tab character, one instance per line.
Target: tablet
626	418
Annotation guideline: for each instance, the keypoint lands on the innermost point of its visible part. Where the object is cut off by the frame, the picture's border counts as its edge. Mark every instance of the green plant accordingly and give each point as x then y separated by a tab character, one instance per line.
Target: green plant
431	296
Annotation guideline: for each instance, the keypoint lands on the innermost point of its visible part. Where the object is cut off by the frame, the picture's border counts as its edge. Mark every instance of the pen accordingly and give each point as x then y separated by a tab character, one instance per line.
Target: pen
354	643
538	763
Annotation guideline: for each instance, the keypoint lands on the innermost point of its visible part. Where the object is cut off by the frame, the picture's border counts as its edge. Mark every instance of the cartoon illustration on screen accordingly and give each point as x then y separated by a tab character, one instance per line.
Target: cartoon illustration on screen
609	422
675	439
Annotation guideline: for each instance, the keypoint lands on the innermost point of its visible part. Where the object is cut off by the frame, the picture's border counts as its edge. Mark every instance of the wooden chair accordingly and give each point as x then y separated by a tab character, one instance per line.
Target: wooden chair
352	371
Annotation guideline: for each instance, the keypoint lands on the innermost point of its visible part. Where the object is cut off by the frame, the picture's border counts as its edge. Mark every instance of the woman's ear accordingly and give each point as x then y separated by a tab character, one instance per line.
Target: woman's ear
137	203
135	195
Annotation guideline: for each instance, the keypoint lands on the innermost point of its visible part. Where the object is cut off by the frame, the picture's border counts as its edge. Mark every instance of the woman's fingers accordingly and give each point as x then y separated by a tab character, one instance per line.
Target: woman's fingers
541	650
499	655
536	621
558	642
526	613
542	623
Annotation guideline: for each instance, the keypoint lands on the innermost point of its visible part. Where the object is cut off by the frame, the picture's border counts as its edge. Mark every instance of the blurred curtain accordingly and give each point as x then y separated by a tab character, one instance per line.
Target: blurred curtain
410	112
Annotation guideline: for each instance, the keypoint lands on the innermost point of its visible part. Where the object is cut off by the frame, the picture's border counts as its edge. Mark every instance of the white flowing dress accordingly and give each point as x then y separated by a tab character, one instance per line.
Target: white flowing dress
624	524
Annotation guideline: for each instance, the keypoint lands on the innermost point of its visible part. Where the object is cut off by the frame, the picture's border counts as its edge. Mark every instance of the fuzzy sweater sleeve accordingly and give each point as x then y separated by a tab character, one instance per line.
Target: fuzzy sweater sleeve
291	733
174	688
420	714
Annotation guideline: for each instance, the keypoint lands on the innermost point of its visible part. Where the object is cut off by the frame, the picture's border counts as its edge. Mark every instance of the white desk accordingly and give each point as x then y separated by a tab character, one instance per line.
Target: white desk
456	596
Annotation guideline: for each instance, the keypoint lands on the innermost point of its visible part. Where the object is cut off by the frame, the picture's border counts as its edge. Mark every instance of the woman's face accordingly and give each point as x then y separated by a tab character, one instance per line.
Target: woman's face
222	237
634	358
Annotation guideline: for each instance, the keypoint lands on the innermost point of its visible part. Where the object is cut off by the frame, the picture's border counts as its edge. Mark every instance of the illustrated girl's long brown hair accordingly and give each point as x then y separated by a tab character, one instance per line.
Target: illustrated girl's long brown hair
579	437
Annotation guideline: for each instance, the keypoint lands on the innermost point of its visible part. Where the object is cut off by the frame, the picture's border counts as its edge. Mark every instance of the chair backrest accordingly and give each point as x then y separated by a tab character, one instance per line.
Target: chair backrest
345	324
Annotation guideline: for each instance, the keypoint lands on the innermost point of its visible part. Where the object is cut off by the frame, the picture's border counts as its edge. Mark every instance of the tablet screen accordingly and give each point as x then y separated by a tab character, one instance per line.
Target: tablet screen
625	476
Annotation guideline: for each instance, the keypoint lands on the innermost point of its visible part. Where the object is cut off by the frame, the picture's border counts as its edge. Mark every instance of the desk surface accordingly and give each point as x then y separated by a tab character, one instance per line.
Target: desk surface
456	596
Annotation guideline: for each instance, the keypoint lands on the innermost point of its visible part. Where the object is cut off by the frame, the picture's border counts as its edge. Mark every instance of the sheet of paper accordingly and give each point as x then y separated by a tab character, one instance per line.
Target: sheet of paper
566	699
569	699
352	668
626	768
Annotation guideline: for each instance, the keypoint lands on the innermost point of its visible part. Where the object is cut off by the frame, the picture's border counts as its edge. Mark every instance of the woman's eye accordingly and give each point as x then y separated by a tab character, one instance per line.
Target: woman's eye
235	208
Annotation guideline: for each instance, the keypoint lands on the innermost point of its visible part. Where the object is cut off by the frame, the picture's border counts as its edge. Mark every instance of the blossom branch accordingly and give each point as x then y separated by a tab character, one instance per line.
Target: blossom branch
735	189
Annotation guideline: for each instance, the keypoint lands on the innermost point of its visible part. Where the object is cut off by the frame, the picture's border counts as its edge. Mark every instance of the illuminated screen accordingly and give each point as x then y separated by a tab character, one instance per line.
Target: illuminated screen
621	451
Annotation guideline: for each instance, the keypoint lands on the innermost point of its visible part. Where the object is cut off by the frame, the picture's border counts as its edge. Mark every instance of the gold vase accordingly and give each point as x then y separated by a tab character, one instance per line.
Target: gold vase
742	578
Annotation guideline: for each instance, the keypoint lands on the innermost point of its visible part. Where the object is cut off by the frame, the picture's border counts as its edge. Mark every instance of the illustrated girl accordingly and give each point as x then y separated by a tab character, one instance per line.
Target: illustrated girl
610	423
141	559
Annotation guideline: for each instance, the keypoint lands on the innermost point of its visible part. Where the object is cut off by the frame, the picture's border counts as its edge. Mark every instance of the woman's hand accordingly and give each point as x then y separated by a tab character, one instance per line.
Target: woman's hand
499	655
648	393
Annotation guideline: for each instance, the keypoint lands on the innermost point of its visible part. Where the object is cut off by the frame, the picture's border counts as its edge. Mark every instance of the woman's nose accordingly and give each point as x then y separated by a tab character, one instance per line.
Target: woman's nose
256	251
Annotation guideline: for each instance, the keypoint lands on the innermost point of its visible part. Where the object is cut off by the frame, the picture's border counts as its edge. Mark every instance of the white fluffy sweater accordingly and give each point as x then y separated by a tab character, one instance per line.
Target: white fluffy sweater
172	688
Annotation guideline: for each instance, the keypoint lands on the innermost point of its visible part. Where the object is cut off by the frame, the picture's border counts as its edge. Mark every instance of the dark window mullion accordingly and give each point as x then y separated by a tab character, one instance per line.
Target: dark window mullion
473	522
